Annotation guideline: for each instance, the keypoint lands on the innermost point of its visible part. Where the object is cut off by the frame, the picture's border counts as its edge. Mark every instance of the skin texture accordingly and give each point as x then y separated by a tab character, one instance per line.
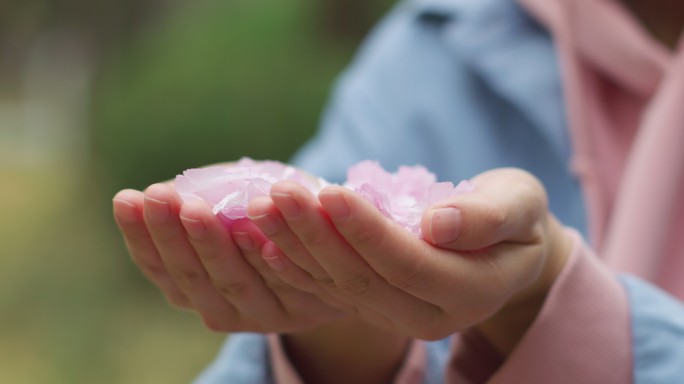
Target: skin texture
198	264
489	259
315	267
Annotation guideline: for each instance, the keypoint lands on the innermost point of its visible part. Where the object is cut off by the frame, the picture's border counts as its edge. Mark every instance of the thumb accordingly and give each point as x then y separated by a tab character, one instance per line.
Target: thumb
507	205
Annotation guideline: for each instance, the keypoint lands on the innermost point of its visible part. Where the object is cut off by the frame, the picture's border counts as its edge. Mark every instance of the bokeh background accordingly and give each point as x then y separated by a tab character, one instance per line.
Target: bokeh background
96	96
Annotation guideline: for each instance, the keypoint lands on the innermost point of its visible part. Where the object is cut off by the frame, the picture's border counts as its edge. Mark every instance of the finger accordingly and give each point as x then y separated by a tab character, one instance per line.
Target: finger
402	260
161	213
230	274
286	270
250	240
291	274
128	214
347	273
303	304
302	298
507	205
295	277
299	267
264	213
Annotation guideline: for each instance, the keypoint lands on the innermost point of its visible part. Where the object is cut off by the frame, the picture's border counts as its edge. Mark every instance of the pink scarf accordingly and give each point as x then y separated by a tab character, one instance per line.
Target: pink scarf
625	101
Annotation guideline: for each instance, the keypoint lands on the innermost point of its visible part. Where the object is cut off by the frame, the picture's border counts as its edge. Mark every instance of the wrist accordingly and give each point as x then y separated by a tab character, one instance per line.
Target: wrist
508	325
345	351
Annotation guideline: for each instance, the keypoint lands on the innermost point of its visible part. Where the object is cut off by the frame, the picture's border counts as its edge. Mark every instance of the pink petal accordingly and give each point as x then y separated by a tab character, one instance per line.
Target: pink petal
402	196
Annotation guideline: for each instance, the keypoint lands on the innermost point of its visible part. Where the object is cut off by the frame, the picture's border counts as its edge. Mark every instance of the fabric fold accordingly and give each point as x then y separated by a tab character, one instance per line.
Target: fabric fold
412	369
585	319
624	92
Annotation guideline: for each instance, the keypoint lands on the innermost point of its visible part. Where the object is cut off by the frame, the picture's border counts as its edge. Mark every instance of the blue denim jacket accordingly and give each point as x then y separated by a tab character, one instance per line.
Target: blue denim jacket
462	86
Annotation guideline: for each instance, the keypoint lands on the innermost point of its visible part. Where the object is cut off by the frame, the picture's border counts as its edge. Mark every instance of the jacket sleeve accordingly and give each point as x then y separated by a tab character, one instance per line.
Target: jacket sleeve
657	333
582	333
243	359
412	370
595	327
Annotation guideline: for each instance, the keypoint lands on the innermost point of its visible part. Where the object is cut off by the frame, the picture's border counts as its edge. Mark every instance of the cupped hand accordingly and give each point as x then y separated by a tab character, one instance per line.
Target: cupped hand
185	250
487	259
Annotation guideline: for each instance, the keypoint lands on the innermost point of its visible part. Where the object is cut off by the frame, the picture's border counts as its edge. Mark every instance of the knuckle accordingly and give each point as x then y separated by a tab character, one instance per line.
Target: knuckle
313	239
209	254
277	285
302	283
232	288
491	223
537	233
165	233
365	237
411	276
136	236
326	282
356	285
187	279
495	216
178	301
154	270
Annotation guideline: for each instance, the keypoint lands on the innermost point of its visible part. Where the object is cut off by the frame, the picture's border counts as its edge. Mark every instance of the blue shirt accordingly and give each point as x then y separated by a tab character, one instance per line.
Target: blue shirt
461	87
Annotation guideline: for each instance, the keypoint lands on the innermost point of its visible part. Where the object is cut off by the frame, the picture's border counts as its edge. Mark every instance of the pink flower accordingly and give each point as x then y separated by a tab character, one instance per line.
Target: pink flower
228	189
402	196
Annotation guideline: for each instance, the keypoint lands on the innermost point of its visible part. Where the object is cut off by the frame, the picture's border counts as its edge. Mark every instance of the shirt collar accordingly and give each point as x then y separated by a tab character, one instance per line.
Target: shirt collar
511	52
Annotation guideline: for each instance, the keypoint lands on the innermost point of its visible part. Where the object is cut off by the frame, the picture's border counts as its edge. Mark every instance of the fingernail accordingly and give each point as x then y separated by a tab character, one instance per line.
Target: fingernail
196	228
243	241
445	225
125	211
267	223
287	205
160	210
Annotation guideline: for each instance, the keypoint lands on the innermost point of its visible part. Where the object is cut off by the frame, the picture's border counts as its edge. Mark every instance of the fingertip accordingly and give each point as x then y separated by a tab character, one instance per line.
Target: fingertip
287	187
243	240
195	210
260	206
334	202
332	190
127	207
161	193
130	196
273	256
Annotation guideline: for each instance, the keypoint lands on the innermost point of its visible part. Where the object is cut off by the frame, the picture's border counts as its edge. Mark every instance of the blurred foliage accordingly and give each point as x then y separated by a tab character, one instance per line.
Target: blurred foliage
95	27
71	311
207	81
216	82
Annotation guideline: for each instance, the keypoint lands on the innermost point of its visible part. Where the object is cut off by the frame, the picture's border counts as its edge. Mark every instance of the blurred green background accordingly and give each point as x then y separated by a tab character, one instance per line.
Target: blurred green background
96	96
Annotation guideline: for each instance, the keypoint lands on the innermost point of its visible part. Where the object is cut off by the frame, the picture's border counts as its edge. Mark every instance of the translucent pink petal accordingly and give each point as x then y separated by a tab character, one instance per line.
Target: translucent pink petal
402	196
368	171
378	199
228	189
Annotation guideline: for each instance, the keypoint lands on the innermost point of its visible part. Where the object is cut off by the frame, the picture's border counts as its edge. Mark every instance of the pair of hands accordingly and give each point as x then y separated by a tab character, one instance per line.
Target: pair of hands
487	260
